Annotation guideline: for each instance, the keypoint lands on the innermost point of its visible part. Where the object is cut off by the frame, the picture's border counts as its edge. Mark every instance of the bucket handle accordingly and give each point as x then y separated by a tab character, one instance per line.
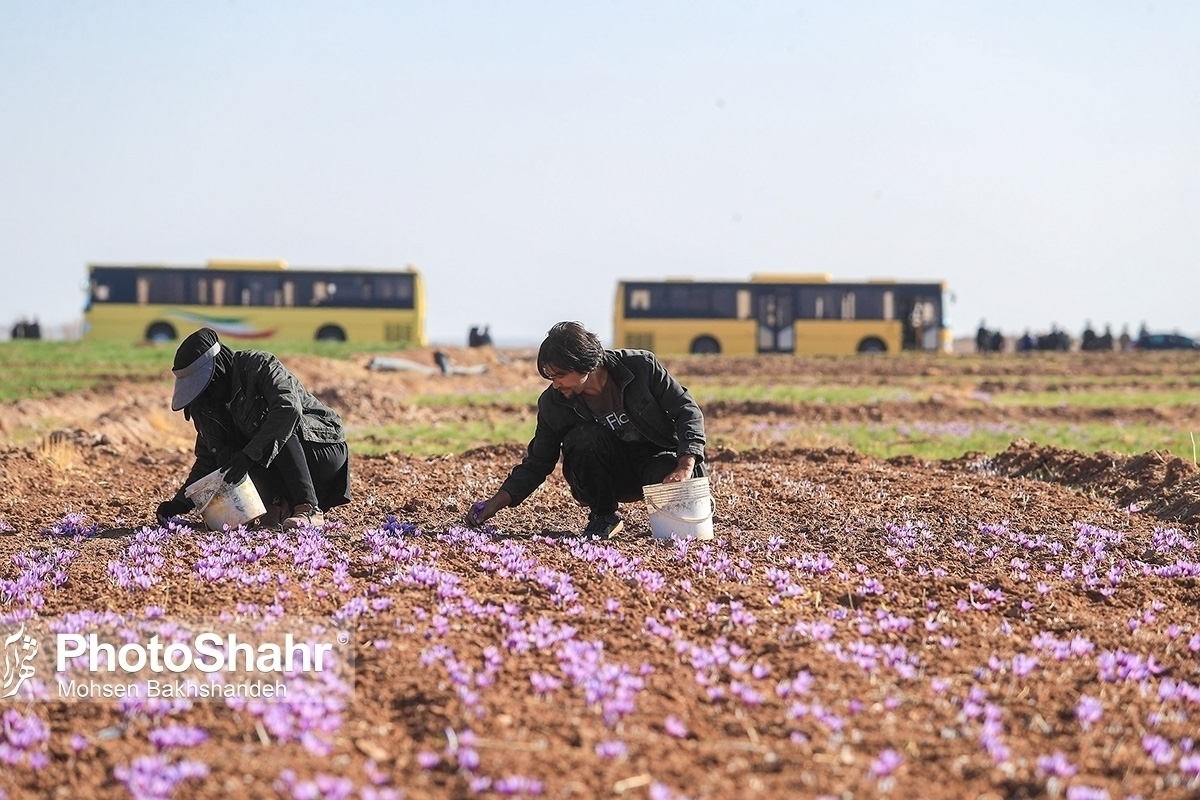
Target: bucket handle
712	501
212	495
208	500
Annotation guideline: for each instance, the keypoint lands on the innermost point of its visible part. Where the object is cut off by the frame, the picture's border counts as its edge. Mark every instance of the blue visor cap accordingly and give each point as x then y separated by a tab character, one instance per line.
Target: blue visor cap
193	379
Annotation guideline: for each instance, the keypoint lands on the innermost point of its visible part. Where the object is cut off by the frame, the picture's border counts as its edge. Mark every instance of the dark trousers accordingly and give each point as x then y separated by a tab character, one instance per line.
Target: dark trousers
603	471
305	472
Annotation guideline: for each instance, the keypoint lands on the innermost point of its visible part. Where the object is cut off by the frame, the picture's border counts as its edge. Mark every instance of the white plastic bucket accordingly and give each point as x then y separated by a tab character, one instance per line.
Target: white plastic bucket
222	503
681	510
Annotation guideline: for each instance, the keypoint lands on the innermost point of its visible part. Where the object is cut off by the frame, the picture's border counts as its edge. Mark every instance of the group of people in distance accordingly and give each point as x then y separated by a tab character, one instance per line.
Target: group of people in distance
617	418
993	341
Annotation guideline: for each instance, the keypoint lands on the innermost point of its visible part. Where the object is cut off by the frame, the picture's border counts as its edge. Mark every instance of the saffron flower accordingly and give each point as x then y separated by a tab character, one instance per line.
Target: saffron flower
887	762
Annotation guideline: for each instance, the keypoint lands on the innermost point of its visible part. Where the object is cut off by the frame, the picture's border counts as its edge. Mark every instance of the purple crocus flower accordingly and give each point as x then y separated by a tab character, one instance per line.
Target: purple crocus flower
1056	764
611	748
1079	792
177	736
1088	711
886	763
153	777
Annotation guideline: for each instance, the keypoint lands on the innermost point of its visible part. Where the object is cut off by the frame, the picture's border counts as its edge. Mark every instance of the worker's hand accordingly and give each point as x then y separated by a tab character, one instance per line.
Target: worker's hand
683	470
484	510
172	508
237	467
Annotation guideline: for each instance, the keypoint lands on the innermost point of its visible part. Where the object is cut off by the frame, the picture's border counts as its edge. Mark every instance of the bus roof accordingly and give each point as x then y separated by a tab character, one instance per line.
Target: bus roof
244	265
791	277
247	264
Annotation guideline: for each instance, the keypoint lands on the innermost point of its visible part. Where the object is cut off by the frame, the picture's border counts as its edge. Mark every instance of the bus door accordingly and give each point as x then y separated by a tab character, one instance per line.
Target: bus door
922	322
776	315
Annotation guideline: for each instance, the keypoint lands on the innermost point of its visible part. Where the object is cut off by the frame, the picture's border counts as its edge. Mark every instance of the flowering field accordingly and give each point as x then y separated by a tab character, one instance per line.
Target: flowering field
1014	624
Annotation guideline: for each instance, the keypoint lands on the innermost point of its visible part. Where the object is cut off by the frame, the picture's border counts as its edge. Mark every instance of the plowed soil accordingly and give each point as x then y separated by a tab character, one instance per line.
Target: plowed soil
1016	624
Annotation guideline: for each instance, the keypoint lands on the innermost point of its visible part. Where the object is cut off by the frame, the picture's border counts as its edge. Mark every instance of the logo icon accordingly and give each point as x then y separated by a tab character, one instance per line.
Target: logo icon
19	651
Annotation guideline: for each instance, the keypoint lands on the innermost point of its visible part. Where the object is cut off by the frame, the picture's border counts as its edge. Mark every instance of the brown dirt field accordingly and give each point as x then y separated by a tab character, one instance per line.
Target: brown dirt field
1008	625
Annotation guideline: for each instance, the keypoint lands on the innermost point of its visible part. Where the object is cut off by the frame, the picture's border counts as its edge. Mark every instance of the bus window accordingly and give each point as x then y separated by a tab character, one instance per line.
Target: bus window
889	304
391	291
261	290
848	305
817	303
218	287
322	291
386	291
160	289
289	294
724	302
114	286
351	292
686	301
743	304
871	302
689	300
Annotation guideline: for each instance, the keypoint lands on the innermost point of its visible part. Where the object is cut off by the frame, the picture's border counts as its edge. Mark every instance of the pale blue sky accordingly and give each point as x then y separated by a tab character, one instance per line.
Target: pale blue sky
1043	157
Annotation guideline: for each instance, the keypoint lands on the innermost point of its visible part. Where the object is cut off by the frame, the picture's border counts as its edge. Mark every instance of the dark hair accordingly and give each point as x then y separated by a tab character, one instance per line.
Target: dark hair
569	347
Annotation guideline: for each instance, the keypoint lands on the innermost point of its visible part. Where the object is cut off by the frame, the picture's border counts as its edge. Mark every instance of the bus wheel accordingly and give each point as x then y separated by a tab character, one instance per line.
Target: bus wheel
160	332
872	345
705	345
331	333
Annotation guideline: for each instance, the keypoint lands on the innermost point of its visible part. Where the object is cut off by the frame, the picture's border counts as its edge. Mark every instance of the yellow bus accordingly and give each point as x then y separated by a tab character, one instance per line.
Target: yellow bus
255	301
789	313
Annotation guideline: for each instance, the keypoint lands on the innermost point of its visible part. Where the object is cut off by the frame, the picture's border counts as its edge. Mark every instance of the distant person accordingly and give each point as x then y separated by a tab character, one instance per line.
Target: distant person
252	416
1106	340
1026	342
1089	337
479	337
982	338
619	420
442	360
26	329
1056	339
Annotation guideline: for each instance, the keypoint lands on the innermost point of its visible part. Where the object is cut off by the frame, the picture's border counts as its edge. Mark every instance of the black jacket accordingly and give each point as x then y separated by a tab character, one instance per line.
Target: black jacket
268	405
658	406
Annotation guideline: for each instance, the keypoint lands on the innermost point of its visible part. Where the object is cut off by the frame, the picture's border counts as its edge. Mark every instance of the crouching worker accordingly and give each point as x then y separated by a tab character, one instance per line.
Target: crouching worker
619	420
253	416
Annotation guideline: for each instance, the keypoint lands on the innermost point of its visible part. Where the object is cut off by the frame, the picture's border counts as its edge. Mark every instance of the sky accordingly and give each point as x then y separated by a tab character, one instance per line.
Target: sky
1041	157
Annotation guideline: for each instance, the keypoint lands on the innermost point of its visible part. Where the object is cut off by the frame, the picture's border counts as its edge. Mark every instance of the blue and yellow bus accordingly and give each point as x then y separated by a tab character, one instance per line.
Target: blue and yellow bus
255	301
788	313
